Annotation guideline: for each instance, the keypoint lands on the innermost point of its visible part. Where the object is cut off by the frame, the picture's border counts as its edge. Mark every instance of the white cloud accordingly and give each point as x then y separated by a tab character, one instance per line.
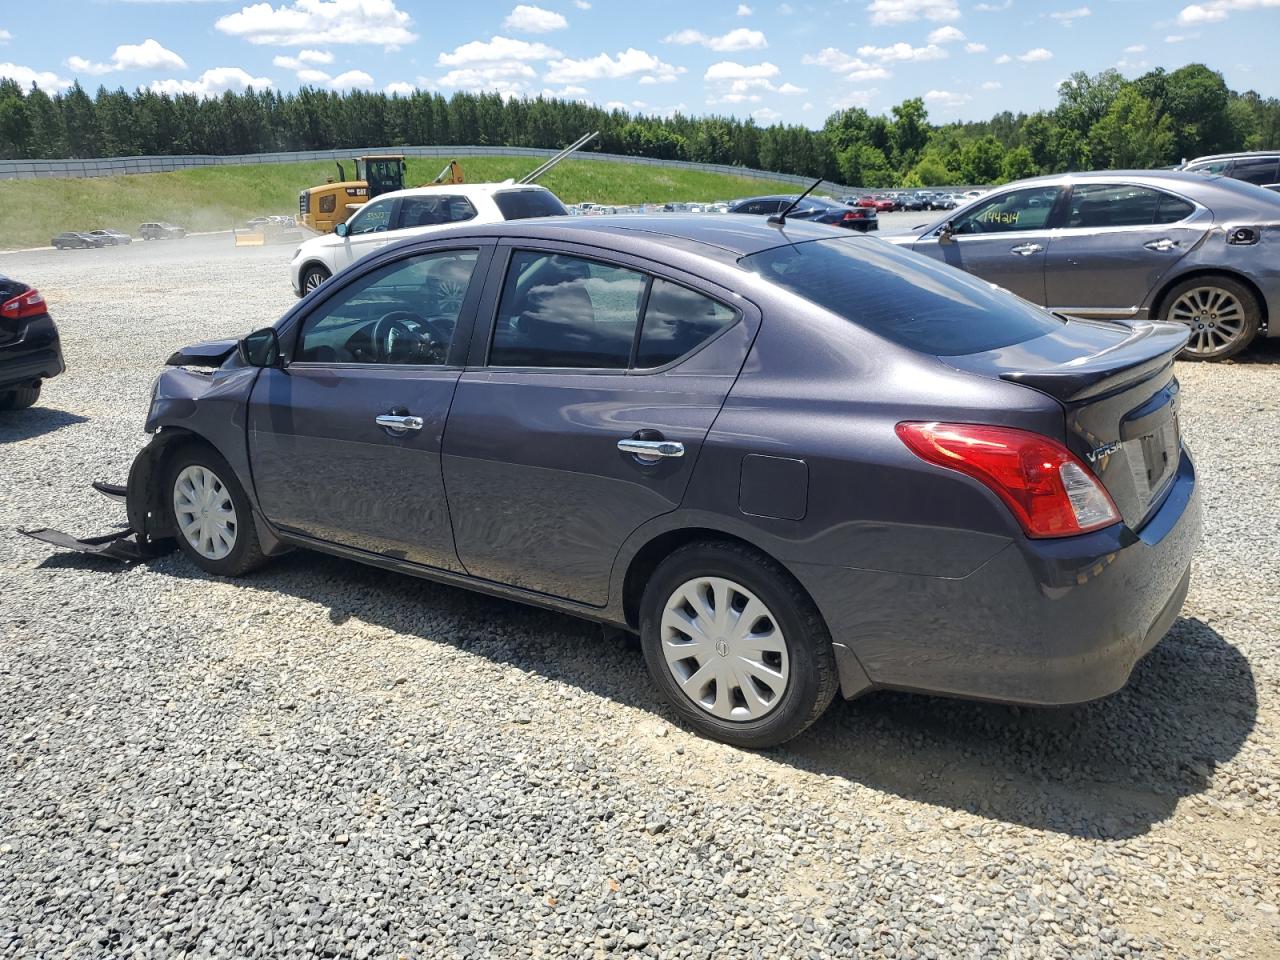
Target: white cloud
628	63
568	92
321	21
5	36
582	4
497	50
729	70
744	10
807	106
739	39
849	67
506	78
398	89
46	80
946	35
855	98
732	82
790	89
993	7
766	115
1136	48
1065	17
312	75
1003	58
351	79
315	56
1217	10
1177	38
905	11
975	48
147	55
903	52
525	18
946	98
213	83
1036	55
992	85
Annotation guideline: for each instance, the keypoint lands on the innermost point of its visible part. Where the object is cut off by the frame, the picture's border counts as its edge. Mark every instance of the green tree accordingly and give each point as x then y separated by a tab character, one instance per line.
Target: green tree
1018	164
909	132
980	160
1130	134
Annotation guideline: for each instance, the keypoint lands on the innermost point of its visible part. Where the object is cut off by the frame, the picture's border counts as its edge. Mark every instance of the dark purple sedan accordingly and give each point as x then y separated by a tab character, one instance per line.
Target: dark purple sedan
797	462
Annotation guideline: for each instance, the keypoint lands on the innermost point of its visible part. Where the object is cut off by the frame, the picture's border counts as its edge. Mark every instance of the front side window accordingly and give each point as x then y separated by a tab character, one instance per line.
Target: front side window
404	313
1120	205
565	311
435	210
1026	209
371	218
676	321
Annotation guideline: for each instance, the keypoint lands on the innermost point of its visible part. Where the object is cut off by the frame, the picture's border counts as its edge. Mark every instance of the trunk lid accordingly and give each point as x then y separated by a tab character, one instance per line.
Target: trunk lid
1115	382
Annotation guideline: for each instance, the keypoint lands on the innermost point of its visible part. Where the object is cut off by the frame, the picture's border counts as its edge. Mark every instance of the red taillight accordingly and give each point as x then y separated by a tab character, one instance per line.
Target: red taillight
854	215
1048	489
29	304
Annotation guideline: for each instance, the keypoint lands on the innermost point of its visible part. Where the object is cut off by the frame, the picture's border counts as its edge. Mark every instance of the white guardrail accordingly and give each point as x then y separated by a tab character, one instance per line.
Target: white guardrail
117	166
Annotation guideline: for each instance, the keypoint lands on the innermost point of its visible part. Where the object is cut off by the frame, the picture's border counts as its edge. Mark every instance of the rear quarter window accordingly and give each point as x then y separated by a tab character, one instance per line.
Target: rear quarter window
903	297
528	204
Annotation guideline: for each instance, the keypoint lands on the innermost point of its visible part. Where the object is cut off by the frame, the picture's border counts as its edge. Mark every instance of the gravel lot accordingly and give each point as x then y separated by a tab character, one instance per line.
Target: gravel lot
328	760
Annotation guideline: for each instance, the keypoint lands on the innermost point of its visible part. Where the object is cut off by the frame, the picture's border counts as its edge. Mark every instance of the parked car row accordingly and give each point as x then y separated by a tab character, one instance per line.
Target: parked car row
814	209
88	239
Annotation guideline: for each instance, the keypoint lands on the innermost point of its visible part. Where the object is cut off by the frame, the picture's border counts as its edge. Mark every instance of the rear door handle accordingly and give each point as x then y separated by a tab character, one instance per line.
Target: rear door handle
1026	249
1163	245
652	450
398	423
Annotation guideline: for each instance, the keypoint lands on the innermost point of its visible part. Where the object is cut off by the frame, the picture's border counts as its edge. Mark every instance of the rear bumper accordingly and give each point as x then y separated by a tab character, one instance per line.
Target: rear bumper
1042	622
35	355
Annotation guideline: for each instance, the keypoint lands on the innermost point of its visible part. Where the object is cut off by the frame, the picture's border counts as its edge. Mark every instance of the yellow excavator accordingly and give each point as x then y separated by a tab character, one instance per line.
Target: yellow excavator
324	207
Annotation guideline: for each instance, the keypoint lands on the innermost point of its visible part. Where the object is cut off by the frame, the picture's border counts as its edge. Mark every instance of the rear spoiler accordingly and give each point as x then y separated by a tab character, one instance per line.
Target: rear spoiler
1149	348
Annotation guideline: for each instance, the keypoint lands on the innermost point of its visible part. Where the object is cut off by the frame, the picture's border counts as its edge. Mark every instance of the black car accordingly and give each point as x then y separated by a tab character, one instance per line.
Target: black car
73	241
30	351
796	460
1261	167
812	209
112	238
915	202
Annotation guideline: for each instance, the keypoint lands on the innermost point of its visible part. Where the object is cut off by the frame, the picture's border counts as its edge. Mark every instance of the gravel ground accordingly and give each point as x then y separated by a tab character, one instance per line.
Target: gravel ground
328	760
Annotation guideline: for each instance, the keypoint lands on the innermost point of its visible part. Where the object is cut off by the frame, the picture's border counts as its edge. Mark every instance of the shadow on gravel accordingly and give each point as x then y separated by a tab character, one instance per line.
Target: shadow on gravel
34	422
1108	770
1263	351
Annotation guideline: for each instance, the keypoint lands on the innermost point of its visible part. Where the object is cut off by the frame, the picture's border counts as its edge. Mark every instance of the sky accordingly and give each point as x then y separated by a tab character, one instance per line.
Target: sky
794	62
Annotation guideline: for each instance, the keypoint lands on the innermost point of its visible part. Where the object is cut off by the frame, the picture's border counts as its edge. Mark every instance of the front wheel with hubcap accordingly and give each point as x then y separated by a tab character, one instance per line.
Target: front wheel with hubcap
312	277
210	513
1222	314
736	645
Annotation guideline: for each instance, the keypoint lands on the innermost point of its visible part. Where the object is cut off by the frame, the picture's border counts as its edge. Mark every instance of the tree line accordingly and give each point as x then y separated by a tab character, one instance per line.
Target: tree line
1100	121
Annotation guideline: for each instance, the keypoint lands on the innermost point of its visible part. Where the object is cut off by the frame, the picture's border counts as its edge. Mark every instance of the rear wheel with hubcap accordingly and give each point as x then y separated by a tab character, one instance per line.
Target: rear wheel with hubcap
736	645
211	516
1222	313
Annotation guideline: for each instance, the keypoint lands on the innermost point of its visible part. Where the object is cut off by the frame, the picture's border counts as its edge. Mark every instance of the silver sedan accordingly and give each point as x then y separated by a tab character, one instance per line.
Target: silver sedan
1195	249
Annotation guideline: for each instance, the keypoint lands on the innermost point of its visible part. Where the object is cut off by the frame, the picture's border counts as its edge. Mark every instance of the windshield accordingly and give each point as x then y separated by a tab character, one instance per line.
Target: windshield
902	296
527	204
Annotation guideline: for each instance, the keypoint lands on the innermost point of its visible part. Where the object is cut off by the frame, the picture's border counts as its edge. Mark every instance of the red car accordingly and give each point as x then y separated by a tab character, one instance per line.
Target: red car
879	204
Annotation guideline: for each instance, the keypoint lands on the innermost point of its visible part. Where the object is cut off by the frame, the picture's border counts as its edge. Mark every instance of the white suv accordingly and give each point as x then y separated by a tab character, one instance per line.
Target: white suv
410	213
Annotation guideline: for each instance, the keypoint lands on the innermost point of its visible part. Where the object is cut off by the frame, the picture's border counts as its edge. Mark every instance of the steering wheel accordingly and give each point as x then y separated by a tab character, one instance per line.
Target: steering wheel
402	336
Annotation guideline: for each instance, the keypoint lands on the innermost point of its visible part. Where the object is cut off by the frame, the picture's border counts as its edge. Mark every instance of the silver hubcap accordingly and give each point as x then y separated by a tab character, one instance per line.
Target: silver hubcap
1216	318
724	649
314	279
204	511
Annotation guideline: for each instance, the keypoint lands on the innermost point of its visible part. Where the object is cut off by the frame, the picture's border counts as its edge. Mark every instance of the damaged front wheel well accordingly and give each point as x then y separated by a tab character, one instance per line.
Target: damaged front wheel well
147	514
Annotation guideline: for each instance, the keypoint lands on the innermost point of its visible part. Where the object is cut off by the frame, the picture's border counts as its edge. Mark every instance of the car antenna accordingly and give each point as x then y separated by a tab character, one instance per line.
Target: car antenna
780	219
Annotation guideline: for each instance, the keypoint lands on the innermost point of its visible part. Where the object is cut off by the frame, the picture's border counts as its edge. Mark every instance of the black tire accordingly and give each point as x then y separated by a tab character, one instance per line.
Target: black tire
19	398
312	277
246	553
1202	345
812	679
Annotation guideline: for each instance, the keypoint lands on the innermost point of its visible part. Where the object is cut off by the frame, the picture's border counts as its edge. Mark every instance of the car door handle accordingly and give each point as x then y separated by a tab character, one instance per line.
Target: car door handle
1026	249
398	423
1163	245
652	449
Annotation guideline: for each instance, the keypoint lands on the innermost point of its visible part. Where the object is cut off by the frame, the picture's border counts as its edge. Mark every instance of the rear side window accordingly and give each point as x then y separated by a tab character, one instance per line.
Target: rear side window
676	321
1121	205
566	311
1259	170
434	211
528	204
908	299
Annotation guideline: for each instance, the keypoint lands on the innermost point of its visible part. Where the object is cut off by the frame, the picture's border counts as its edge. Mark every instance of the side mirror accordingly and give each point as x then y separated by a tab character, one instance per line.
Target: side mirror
342	229
947	232
261	348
